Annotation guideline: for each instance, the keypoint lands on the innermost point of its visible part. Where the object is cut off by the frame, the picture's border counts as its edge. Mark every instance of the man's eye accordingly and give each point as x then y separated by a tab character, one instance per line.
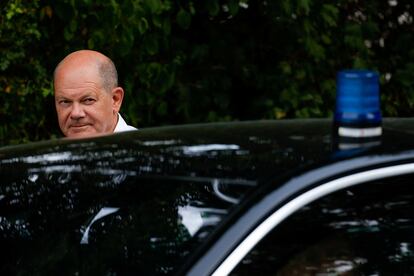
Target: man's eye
89	100
64	102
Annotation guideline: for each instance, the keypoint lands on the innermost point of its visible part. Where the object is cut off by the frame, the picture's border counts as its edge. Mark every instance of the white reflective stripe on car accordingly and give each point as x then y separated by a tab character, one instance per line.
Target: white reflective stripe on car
292	206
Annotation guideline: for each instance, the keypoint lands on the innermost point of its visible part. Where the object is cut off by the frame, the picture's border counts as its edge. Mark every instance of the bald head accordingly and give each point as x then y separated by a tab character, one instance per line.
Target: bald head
103	65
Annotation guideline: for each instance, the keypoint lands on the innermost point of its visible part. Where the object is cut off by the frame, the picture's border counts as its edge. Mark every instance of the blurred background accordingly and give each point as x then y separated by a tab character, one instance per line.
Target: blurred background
186	62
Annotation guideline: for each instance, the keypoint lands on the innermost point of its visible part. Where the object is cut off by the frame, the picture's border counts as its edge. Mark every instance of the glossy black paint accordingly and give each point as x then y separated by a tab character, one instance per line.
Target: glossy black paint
361	230
50	192
263	202
396	148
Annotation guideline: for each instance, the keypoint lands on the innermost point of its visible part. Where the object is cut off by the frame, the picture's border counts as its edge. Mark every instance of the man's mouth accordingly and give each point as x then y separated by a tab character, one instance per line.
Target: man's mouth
78	127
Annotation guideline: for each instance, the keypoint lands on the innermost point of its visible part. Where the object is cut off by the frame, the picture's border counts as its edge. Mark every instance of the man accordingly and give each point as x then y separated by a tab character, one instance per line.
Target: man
87	95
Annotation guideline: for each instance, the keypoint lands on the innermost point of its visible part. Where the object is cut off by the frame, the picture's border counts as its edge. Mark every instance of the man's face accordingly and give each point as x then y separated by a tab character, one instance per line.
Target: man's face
83	107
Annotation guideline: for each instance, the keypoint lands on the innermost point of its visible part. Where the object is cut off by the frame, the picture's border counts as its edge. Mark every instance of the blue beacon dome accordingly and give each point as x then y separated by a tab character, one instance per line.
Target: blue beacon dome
357	98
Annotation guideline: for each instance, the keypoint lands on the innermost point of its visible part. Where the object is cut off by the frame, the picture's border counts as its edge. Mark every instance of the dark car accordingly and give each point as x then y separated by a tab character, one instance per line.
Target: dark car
247	198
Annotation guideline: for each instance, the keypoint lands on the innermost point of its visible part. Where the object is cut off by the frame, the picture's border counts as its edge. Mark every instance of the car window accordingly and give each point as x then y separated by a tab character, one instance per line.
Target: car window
367	229
64	220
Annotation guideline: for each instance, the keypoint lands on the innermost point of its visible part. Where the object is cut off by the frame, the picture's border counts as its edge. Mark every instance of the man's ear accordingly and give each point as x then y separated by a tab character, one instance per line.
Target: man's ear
117	97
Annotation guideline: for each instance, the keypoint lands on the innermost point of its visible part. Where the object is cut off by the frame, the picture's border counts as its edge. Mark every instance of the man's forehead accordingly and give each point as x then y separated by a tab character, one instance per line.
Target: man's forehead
78	90
73	77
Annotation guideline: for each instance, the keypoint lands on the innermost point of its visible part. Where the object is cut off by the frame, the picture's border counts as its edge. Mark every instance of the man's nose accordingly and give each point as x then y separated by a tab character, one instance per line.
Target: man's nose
77	112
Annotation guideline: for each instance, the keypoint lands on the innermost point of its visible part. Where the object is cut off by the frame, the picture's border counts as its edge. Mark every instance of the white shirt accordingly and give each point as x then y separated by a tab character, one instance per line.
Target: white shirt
122	125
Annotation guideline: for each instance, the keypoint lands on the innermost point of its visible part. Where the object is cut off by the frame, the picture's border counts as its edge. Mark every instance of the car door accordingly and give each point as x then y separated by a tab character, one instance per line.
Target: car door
355	217
366	229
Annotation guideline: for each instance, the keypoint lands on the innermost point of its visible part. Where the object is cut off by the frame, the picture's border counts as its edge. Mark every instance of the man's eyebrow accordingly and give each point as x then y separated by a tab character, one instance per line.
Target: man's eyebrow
88	95
61	98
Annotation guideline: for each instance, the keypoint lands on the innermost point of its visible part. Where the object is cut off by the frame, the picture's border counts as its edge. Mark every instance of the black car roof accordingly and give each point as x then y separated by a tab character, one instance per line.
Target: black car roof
247	151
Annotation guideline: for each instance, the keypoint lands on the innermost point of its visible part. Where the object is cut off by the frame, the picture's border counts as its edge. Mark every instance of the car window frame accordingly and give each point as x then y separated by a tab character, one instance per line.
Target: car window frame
253	225
302	200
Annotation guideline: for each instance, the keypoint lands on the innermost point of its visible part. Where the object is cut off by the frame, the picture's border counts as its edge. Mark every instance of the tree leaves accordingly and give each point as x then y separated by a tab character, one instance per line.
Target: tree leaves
196	61
213	7
329	13
183	18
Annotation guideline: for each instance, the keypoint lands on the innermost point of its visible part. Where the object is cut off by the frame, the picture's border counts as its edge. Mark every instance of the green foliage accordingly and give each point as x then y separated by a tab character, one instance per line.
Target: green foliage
24	80
198	61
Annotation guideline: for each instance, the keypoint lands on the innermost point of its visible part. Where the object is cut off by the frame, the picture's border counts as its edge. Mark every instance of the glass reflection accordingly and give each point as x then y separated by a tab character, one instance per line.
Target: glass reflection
105	211
194	218
56	169
50	157
200	149
33	177
221	195
159	143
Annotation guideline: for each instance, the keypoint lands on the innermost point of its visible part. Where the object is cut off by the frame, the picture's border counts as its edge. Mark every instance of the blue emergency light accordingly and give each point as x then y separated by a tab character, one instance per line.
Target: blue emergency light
357	98
357	119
